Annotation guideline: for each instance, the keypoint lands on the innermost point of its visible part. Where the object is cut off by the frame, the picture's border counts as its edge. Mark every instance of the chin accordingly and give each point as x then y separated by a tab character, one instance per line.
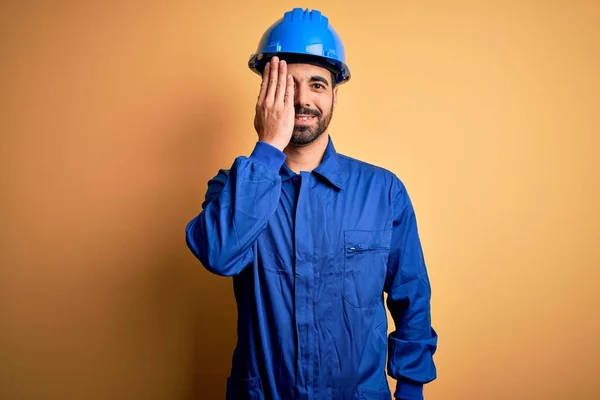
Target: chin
304	137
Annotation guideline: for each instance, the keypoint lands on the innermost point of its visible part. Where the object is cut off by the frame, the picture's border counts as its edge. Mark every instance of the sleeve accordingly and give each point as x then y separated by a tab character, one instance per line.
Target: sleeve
414	341
236	209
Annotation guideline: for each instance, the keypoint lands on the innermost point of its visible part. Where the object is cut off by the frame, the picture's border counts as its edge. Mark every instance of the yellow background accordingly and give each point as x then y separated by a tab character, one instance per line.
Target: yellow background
113	116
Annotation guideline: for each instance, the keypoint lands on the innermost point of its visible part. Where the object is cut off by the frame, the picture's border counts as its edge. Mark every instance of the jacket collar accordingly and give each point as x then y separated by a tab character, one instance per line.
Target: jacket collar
329	168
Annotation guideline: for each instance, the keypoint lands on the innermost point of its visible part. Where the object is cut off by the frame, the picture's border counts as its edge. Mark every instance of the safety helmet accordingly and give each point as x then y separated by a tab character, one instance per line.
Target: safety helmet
302	36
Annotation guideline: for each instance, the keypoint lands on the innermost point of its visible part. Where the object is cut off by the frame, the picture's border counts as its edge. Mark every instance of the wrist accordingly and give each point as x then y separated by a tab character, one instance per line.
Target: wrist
268	155
408	391
278	144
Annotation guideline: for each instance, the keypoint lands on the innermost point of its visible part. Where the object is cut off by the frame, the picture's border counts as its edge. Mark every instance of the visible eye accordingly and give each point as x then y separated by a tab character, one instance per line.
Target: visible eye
318	86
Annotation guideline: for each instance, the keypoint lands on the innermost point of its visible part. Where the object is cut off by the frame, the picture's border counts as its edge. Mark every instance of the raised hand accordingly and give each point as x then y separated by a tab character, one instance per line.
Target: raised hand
274	119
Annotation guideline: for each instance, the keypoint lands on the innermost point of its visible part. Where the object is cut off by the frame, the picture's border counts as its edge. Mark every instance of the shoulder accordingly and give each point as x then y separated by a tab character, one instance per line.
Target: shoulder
361	170
220	178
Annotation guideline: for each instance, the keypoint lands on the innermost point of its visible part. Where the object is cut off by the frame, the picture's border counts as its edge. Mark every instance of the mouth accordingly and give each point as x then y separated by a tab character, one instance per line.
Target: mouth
303	118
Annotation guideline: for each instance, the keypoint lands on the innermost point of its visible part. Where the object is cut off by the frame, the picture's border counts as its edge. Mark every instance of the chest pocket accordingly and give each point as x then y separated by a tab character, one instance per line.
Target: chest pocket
365	265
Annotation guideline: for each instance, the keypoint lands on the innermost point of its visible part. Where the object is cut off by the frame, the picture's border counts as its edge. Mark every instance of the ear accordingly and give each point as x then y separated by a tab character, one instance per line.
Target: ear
335	90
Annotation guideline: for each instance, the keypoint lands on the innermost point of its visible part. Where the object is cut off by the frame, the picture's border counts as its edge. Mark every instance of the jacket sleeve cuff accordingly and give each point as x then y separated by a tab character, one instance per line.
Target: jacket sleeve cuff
269	156
408	391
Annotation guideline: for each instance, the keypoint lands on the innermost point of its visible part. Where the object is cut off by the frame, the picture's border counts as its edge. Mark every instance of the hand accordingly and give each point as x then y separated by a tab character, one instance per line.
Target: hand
275	113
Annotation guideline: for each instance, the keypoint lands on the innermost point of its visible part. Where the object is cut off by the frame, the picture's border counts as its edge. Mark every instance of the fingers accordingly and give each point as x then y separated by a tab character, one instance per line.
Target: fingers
277	87
289	91
273	75
264	84
281	83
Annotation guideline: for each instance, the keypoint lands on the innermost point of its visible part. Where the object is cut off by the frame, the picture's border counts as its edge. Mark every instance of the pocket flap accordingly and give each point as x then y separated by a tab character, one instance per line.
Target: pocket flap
366	240
374	394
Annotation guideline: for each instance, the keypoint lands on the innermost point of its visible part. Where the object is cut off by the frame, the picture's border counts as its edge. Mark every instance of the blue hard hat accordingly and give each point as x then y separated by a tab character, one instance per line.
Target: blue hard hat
302	36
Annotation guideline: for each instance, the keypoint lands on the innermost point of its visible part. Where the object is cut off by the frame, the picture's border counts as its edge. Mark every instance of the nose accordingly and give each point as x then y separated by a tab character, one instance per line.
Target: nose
301	97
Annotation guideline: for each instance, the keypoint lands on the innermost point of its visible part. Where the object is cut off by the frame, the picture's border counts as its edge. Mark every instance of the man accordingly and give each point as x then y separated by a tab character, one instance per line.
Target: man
313	239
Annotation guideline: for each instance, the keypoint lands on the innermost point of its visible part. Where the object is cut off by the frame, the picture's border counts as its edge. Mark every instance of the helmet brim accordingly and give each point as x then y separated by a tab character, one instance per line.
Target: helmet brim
341	72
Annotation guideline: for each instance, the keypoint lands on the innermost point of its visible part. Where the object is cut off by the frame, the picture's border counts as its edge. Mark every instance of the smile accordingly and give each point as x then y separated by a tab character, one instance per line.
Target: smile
304	117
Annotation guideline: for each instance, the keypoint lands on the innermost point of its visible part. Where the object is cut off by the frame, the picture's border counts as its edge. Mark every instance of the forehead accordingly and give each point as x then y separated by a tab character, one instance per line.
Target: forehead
307	71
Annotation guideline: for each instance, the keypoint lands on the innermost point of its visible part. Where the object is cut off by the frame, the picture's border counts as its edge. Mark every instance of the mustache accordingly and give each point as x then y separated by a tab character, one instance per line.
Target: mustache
307	111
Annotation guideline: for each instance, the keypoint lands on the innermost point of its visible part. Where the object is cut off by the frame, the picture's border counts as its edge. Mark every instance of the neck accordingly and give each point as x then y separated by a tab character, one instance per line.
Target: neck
306	157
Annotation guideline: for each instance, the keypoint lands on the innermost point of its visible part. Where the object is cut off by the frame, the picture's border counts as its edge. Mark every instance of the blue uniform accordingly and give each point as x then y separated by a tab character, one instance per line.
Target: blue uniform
311	255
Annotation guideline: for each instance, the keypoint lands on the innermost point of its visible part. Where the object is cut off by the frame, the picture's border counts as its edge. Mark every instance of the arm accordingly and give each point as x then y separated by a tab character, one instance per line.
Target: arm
236	210
239	203
413	343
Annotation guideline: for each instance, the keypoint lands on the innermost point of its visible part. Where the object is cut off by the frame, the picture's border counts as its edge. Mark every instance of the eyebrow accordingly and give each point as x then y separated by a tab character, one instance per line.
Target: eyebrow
318	78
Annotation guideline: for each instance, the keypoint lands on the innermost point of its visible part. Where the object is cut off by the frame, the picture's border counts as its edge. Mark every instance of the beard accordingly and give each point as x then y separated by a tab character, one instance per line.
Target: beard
303	134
